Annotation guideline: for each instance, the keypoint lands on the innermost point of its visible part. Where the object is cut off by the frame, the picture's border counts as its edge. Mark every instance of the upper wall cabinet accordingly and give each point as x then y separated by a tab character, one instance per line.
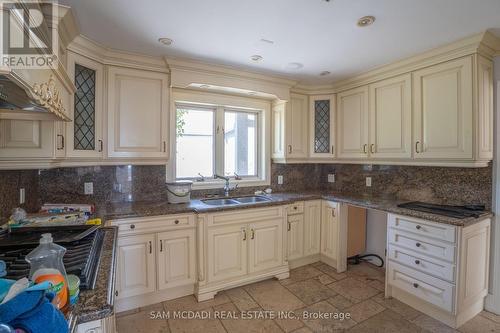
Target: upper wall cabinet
322	126
296	127
390	118
84	134
352	119
442	106
137	114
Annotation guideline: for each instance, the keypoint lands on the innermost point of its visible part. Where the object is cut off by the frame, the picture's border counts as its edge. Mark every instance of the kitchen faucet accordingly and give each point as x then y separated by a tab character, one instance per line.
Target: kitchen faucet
227	188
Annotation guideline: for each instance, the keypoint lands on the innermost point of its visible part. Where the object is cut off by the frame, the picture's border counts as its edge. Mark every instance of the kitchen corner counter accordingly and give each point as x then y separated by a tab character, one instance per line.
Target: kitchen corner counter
98	303
387	204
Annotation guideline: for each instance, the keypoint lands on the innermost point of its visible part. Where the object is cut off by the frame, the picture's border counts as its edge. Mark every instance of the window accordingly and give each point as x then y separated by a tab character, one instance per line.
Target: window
218	140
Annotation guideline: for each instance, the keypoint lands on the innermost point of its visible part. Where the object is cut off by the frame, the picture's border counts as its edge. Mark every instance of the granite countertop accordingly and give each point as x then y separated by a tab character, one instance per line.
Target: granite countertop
97	303
387	204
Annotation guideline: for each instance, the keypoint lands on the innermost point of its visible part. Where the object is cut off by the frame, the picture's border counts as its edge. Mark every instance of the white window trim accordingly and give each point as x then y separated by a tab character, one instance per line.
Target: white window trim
183	96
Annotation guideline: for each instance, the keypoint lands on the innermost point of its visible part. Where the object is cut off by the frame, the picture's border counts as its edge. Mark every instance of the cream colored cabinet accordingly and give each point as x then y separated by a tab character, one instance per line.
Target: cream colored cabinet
278	119
84	135
26	139
322	126
312	227
266	245
390	118
352	120
296	127
330	230
136	273
484	117
137	114
295	239
227	252
176	258
442	106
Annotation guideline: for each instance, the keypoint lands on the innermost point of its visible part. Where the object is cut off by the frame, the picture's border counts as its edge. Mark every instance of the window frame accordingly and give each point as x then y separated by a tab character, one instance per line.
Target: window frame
222	103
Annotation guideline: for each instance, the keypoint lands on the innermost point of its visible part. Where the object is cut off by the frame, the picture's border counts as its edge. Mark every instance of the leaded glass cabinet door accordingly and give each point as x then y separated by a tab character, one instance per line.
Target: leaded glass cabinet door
84	133
322	126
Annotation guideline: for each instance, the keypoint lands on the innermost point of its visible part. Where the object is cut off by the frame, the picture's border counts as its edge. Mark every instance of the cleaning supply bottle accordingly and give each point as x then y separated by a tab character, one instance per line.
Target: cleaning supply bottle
46	263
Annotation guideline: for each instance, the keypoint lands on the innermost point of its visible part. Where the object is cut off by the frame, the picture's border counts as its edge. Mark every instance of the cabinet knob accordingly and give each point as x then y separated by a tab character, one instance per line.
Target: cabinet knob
289	149
418	245
417	262
176	221
418	227
295	207
132	226
116	292
415	285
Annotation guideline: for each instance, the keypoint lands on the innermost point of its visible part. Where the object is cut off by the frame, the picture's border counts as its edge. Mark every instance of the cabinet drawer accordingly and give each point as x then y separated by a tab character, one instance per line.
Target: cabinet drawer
423	286
422	245
421	227
295	208
153	224
422	263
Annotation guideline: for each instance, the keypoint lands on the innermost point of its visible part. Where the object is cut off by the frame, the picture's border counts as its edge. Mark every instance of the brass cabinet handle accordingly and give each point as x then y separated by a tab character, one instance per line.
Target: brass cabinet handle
416	147
372	148
253	234
365	146
289	149
417	262
116	292
418	227
164	146
176	221
289	226
244	234
150	247
333	150
132	226
161	245
418	244
333	212
415	285
100	145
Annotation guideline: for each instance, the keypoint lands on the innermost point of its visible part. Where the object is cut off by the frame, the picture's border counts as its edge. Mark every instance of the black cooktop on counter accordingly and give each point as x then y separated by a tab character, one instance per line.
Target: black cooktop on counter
459	212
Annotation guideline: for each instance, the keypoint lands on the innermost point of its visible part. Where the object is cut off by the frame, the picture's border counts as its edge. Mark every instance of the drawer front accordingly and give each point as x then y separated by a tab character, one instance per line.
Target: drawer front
437	268
238	216
424	228
295	208
154	224
423	286
423	245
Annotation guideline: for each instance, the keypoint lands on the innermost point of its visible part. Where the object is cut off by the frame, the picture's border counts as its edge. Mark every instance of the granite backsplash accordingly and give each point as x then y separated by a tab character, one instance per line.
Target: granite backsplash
147	183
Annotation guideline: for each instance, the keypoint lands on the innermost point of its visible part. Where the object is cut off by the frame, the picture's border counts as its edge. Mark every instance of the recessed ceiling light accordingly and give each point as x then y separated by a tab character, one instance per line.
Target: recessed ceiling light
294	65
256	58
324	73
366	21
165	41
204	86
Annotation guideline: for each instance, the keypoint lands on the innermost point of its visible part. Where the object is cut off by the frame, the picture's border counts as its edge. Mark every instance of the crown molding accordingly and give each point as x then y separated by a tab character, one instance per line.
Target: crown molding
108	56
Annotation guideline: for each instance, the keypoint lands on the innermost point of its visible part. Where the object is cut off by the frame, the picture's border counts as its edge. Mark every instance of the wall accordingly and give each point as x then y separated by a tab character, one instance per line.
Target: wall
10	183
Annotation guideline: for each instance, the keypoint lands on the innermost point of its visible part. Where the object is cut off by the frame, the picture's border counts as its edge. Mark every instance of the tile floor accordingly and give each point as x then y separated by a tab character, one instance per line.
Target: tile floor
315	288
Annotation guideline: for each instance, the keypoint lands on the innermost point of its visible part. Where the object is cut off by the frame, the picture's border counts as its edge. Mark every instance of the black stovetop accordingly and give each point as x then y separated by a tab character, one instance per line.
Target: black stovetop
459	212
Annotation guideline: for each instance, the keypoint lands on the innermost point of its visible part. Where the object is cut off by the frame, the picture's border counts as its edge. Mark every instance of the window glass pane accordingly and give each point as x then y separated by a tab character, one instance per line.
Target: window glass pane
240	143
322	126
84	118
195	142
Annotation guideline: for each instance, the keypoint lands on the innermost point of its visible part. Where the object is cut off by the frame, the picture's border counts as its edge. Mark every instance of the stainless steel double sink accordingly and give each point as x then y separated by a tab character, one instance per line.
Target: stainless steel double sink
236	201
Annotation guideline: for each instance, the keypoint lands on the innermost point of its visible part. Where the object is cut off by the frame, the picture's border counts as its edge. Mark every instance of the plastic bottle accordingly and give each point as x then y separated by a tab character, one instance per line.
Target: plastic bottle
46	263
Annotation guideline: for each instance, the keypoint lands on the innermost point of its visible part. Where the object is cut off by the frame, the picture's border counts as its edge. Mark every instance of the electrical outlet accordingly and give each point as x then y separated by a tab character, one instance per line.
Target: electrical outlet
22	196
369	181
88	188
331	178
280	180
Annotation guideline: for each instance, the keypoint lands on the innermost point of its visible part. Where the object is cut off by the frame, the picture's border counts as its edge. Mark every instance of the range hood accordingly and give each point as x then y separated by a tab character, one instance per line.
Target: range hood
18	100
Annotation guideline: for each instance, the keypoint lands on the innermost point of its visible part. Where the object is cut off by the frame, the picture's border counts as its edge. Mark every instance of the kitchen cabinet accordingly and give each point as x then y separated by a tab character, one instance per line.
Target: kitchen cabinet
26	138
266	245
312	227
390	118
322	126
227	252
439	269
352	120
137	114
330	231
295	239
84	135
136	273
176	258
443	111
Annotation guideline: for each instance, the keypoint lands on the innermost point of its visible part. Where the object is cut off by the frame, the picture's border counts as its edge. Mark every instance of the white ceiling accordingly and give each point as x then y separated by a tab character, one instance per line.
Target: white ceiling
321	35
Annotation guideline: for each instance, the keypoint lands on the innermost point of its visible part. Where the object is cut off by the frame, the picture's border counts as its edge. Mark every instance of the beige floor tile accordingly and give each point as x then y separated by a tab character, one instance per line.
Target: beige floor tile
379	285
340	302
479	324
271	295
304	329
317	263
301	274
190	303
364	310
324	324
311	291
190	325
432	325
289	324
237	325
386	322
366	272
325	279
353	289
241	299
126	313
491	316
141	322
393	304
332	272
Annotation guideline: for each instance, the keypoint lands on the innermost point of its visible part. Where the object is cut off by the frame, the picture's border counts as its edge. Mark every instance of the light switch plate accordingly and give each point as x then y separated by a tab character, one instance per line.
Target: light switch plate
369	181
22	196
280	180
331	178
89	188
